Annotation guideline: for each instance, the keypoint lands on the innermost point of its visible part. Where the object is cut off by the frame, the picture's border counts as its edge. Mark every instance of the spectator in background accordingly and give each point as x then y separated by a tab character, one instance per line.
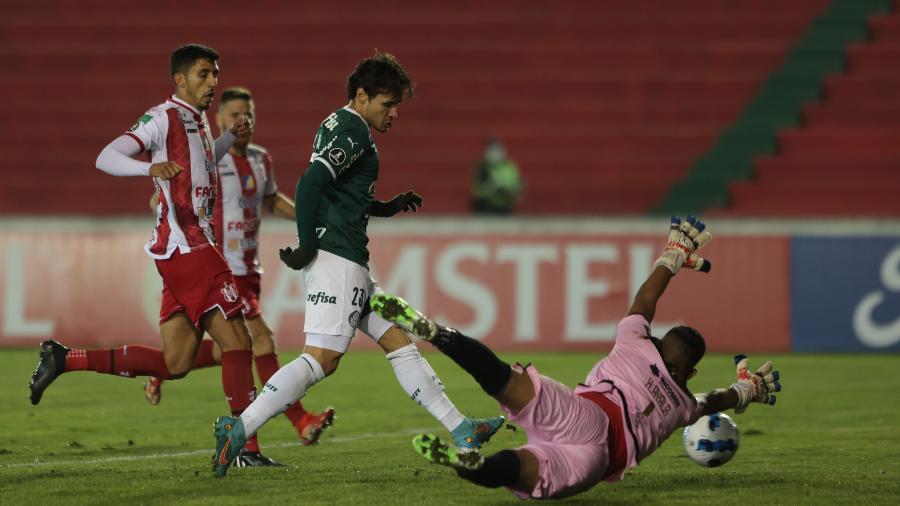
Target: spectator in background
496	186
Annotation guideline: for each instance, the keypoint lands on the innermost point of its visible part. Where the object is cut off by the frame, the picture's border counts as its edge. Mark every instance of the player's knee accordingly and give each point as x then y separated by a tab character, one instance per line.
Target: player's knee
394	339
178	364
263	344
330	364
178	369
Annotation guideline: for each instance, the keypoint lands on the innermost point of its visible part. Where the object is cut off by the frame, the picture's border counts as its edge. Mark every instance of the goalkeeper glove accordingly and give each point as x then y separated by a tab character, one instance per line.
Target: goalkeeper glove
685	238
756	387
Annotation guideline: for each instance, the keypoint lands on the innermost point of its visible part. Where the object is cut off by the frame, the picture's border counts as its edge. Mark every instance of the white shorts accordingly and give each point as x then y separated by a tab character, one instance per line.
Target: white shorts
337	291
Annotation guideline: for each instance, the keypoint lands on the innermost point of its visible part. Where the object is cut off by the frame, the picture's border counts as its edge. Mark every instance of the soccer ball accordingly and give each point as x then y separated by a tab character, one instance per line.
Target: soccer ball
712	441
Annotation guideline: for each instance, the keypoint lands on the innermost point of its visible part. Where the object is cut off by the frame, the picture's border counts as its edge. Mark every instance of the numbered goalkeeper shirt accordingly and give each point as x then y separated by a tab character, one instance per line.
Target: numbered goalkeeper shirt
334	195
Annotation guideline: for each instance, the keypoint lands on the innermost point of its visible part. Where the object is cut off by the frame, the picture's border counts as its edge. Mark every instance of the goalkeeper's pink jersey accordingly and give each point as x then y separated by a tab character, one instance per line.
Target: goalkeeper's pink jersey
634	376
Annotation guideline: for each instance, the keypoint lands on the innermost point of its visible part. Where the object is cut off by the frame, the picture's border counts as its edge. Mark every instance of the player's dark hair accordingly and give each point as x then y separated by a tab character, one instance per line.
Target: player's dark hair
380	73
235	93
184	57
693	342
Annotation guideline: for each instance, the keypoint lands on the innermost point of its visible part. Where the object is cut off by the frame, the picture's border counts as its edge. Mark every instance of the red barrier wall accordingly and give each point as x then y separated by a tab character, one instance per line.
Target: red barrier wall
95	286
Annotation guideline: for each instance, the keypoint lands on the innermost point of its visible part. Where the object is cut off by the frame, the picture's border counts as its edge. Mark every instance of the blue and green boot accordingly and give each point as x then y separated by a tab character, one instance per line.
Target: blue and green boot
230	439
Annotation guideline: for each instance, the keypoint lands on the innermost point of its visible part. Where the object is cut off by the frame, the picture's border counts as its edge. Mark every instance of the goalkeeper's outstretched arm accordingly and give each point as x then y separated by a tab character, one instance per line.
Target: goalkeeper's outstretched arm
649	293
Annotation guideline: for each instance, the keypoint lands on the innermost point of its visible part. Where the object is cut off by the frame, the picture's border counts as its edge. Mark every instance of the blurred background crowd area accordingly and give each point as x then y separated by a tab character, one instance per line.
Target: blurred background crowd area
735	108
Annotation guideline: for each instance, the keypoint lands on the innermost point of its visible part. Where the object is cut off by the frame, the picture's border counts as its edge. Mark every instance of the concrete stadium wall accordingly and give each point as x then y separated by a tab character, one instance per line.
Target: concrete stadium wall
519	284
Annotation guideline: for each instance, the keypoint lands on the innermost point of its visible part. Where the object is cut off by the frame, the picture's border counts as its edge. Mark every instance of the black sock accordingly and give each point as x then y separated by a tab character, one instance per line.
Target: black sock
477	359
499	470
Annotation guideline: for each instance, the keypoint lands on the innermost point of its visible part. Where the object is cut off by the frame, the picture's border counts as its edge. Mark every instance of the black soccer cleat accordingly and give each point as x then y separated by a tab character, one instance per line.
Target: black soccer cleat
254	459
51	364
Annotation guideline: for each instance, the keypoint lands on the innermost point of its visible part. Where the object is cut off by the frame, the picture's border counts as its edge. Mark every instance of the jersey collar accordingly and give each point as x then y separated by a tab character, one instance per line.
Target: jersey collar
358	115
184	105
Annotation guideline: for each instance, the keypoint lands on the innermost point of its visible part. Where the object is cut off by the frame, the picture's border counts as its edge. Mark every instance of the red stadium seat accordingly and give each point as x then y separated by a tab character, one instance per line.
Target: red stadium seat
603	104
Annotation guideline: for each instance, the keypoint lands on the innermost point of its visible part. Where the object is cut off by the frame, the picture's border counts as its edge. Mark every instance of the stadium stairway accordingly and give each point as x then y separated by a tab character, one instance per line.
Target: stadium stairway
837	153
602	104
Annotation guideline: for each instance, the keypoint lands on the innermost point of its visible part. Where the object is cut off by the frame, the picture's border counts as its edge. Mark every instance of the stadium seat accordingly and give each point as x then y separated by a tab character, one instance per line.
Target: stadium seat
603	104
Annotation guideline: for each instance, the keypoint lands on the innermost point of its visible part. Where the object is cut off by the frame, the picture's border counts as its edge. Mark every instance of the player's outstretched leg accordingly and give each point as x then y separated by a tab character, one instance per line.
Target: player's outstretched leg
471	433
204	358
491	373
51	364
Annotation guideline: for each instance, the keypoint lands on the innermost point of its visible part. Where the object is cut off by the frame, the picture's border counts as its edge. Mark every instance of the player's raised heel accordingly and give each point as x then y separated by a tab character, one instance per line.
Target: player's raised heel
230	439
51	364
153	390
398	311
310	427
439	452
472	433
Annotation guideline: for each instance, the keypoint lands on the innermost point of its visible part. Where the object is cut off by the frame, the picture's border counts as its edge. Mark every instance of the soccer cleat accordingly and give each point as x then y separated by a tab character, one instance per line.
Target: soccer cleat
472	433
310	427
153	390
255	459
396	310
438	452
51	364
230	439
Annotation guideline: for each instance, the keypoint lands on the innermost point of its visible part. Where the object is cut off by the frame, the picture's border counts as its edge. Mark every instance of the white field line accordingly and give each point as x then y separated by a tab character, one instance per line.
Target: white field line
208	451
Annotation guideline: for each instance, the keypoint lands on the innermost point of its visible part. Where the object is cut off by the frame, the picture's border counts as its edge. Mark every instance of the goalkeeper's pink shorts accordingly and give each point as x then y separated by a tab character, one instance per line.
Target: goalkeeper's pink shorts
570	437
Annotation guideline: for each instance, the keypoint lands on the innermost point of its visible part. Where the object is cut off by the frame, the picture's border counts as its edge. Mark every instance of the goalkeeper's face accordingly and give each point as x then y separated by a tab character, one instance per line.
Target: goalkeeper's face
677	358
379	111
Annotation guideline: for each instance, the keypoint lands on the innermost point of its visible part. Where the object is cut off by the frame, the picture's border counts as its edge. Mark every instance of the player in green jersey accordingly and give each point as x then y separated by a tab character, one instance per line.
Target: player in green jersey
335	198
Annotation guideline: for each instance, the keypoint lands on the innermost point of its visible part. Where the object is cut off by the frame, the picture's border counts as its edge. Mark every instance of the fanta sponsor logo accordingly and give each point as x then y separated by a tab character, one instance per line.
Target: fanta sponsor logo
321	297
242	226
205	191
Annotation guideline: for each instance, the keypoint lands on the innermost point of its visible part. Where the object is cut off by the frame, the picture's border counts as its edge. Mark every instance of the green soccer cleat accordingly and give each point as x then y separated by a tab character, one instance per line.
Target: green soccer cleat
230	439
438	452
396	310
472	433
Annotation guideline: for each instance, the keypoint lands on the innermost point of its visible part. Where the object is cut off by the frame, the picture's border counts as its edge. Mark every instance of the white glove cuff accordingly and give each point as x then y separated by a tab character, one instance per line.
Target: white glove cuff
745	395
670	259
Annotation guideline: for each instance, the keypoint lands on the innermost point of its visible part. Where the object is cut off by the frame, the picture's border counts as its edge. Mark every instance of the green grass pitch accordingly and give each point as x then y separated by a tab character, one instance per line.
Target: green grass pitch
834	437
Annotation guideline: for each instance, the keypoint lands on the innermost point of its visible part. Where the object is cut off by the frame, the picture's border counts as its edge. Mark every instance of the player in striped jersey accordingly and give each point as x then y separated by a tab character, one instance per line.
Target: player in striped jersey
246	187
199	291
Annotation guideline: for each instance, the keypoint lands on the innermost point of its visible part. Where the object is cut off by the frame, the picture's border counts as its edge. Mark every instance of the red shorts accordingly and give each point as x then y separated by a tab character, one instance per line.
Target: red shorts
196	283
248	287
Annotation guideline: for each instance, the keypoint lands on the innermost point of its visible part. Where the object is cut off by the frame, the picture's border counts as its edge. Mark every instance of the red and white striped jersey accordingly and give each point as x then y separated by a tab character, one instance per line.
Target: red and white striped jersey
243	183
177	132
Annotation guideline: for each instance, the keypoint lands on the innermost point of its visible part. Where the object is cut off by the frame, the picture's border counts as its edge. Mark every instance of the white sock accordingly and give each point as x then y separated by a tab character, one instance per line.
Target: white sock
283	389
422	384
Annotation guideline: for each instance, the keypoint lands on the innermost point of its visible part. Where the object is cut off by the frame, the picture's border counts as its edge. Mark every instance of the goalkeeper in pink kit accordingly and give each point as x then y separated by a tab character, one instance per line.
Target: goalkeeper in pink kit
630	402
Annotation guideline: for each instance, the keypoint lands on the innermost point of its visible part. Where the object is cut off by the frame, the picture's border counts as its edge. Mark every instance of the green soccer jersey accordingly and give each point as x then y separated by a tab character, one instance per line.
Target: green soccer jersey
345	146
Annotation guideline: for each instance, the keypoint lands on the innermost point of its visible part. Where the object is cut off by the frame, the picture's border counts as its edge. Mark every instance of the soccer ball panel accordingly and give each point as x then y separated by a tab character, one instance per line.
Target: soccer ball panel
712	441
